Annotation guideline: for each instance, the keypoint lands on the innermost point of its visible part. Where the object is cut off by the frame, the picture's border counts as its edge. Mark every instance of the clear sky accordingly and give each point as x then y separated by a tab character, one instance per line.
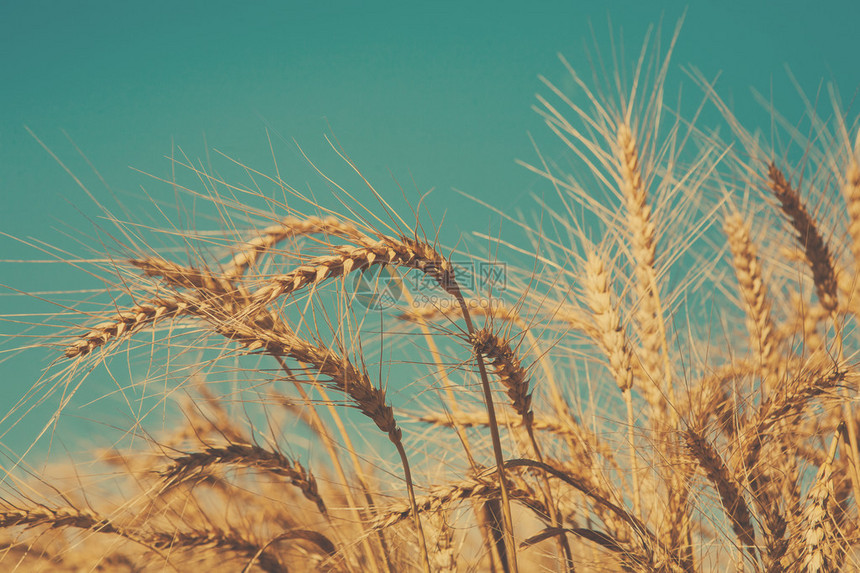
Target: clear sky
431	94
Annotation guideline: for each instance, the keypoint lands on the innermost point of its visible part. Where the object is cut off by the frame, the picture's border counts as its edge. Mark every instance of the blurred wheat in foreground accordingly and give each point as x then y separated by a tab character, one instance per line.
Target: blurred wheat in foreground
668	384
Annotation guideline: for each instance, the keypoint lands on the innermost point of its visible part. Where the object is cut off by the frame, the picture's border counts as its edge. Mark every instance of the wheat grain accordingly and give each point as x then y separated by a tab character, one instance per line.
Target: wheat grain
56	517
403	252
612	338
124	323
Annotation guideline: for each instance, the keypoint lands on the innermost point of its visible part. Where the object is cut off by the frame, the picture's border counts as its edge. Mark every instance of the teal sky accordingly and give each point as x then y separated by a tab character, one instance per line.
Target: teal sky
432	95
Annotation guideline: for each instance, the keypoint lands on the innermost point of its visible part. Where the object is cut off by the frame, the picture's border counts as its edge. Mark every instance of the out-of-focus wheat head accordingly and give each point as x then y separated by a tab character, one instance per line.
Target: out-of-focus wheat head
666	384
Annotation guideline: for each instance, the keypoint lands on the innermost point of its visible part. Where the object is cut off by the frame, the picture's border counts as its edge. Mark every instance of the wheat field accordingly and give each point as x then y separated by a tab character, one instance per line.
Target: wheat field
658	375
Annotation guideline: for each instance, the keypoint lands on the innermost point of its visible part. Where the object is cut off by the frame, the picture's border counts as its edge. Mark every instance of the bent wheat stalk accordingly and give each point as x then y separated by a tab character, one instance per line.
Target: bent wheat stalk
513	376
412	254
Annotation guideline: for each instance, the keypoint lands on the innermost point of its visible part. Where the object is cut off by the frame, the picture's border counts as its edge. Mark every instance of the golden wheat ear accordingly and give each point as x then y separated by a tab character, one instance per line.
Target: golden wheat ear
192	466
809	237
851	193
754	294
